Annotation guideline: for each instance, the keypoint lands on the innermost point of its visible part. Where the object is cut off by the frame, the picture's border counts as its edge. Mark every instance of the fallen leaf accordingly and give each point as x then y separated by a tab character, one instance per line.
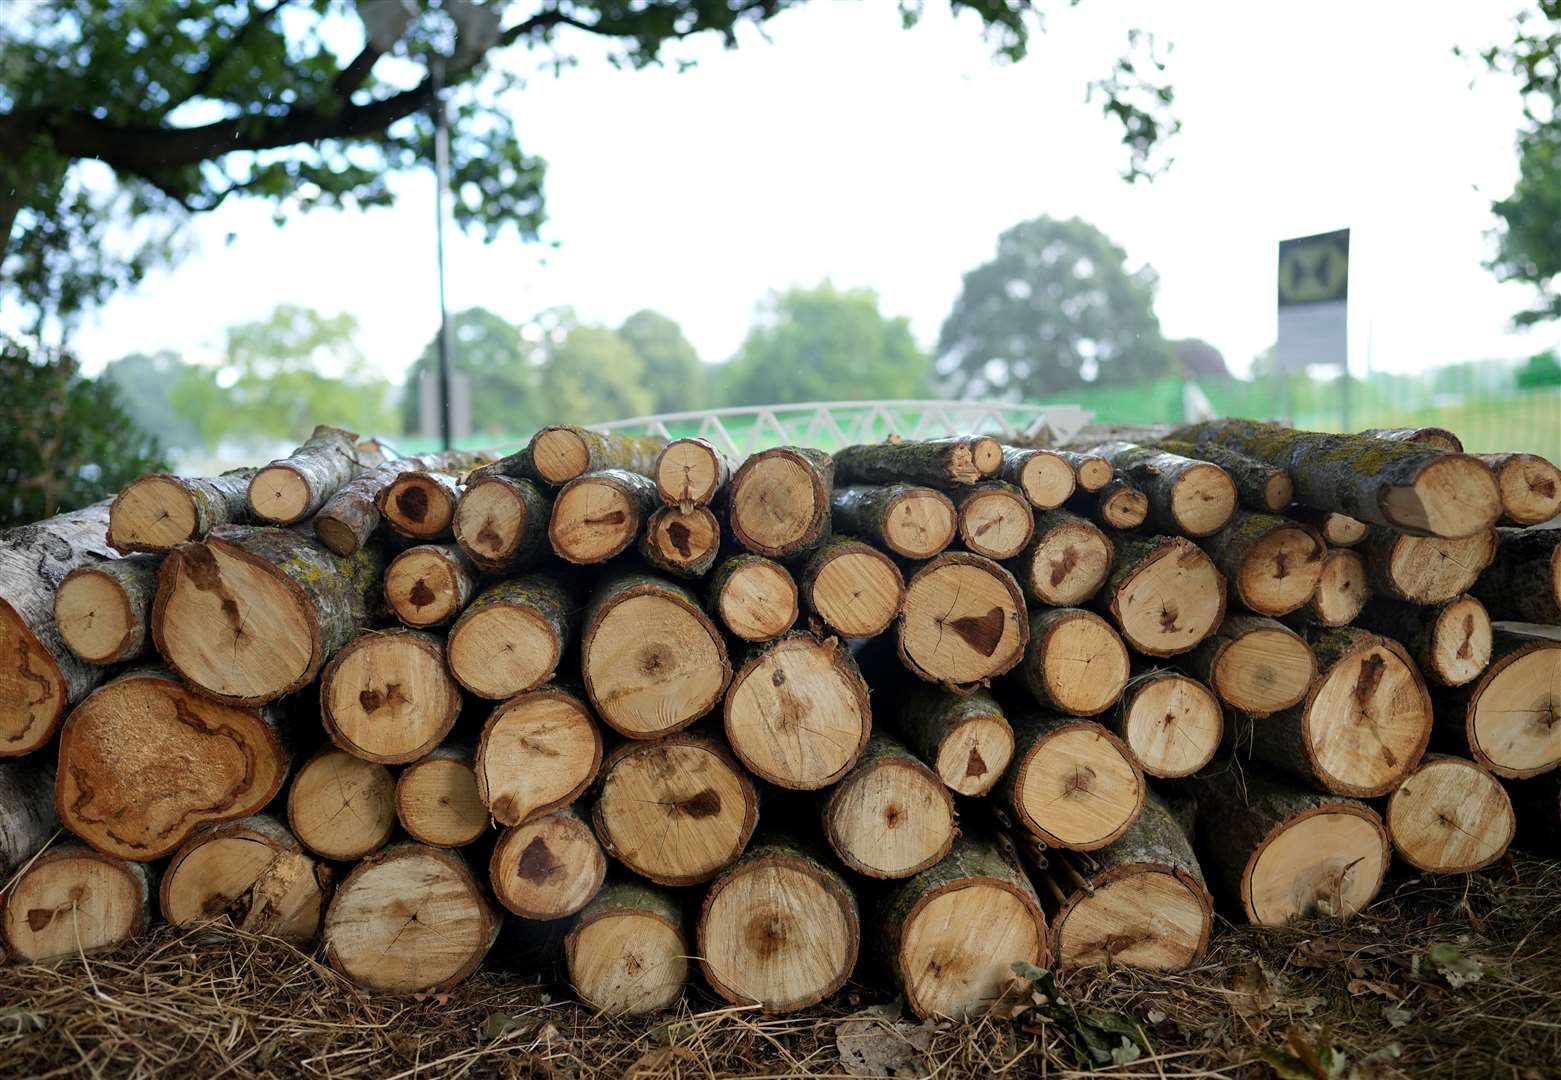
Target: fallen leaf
1251	993
878	1043
1362	987
1305	1059
1458	969
659	1062
498	1025
1397	1017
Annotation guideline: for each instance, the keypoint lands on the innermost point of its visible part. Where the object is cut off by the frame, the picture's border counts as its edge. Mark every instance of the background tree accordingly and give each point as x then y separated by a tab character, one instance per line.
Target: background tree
592	376
1055	309
501	366
145	382
673	371
65	441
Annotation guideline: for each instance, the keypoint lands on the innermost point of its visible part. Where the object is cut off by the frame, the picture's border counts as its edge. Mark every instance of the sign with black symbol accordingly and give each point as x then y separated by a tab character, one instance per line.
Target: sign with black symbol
1314	279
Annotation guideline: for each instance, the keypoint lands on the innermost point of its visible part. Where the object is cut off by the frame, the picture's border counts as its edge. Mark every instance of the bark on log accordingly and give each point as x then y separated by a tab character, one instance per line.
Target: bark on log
1255	665
963	622
1434	437
953	933
1414	488
690	473
940	463
682	544
511	638
252	874
1450	816
74	900
501	523
1164	594
347	520
780	928
103	611
995	519
889	817
1450	642
1340	530
27	818
1172	724
912	522
429	584
157	513
419	504
1065	563
1343	589
1273	564
1073	783
754	597
548	868
780	500
1074	663
965	738
1426	569
250	614
797	713
292	488
387	696
855	589
1530	487
1092	471
538	753
598	515
1186	496
1117	505
341	807
437	800
627	954
144	760
1523	581
1259	486
559	454
1509	719
1045	476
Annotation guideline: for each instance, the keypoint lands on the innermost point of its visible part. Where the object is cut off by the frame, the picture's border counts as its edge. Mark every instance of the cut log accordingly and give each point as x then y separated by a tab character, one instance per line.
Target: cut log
341	807
889	817
1118	505
780	928
780	500
347	520
855	589
40	678
409	919
627	953
251	873
1138	902
1259	486
73	900
1415	488
27	818
598	515
755	598
1073	783
1339	530
797	712
1164	594
1045	476
144	760
964	737
1523	581
429	584
419	504
501	522
1343	589
104	611
963	622
912	522
157	513
1530	487
547	868
1362	726
388	697
1450	642
1186	496
678	810
940	463
538	753
1284	853
559	454
1092	471
1426	569
1273	564
292	488
653	661
953	933
1074	663
1171	723
1066	561
1450	816
1435	437
690	473
251	614
994	519
1255	665
1509	719
682	544
511	637
437	801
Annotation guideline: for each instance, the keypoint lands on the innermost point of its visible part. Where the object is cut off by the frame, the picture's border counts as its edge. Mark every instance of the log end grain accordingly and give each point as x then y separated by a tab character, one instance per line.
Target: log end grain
33	691
97	619
1259	667
250	873
964	621
854	588
559	454
975	754
154	513
548	868
419	505
779	502
1168	599
539	751
1066	564
1328	860
1074	661
72	900
689	472
1530	487
597	516
890	817
279	494
1513	718
1202	500
1450	816
918	523
388	696
1450	496
1046	478
628	954
1366	722
1077	786
995	520
1171	723
1343	588
1428	569
428	585
495	518
341	807
682	543
437	801
757	600
1145	916
1280	570
511	637
1121	506
1460	641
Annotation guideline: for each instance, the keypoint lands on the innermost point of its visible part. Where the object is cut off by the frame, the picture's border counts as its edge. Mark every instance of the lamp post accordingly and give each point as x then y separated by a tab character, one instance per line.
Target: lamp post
442	184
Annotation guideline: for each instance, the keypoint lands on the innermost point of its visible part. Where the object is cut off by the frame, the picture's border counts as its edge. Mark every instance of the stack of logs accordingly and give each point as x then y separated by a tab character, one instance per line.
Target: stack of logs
937	707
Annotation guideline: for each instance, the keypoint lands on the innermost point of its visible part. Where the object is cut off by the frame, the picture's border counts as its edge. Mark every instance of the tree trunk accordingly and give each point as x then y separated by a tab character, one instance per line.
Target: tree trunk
538	753
548	868
1186	496
419	504
1523	581
157	513
1450	816
1339	530
429	584
387	696
1434	437
349	517
559	454
653	662
754	597
681	544
1426	569
1172	724
1073	783
964	737
251	614
27	818
598	515
940	463
341	807
1066	561
889	817
1164	594
103	610
144	760
1118	505
780	928
437	801
1259	486
1402	485
779	503
994	519
953	933
1284	853
1450	642
409	919
1273	564
1075	663
677	810
855	589
1092	471
912	522
292	488
1255	665
1509	719
690	473
1342	591
511	638
1045	476
1530	487
628	952
251	873
501	523
964	621
1362	726
74	900
797	713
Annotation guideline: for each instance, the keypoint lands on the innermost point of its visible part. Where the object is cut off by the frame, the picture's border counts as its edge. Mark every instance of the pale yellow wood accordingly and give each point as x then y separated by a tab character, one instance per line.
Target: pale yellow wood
797	716
627	963
423	586
959	948
688	471
891	821
547	868
1149	919
758	602
74	901
1530	488
986	454
996	523
1070	566
1342	589
592	521
437	802
1084	665
93	615
488	519
503	650
279	493
1047	480
1173	726
1430	569
1264	671
538	752
390	699
341	807
1369	720
858	593
1453	496
1461	641
1172	602
1342	530
1517	720
1281	571
975	756
247	881
921	522
560	455
1203	499
1326	863
1080	788
653	665
776	501
961	624
1450	816
153	513
685	539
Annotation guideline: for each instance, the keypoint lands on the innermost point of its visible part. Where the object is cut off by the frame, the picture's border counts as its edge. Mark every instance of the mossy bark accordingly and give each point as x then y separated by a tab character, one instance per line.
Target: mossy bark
929	717
216	500
351	515
1438	438
1523	581
867	510
683	560
937	463
1158	475
325	461
1259	485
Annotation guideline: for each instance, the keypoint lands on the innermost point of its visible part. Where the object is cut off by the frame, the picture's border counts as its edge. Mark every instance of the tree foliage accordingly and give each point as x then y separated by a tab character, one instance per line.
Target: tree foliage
145	382
673	372
591	376
501	366
1055	309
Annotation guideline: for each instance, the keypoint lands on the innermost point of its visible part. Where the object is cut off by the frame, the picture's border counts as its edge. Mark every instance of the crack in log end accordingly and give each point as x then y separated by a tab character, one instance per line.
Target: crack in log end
701	805
421	595
616	517
412	503
1281	566
975	764
633	966
1168	616
652	659
506	810
891	816
1368	680
1080	783
537	862
679	534
792	712
1064	566
1466	649
768	933
983	633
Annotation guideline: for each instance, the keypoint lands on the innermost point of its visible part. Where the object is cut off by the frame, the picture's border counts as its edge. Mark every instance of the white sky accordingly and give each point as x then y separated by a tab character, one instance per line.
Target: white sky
848	148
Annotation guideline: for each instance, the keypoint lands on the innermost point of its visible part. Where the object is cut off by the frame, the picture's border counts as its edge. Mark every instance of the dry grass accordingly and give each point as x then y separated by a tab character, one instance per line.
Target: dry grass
1363	999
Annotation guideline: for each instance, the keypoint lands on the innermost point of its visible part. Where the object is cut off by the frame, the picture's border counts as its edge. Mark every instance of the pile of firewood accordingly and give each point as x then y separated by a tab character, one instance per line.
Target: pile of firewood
918	710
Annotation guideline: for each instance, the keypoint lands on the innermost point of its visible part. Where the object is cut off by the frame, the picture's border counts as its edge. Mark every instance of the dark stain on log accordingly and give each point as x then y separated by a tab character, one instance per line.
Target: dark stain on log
701	805
975	764
201	567
1281	566
891	816
679	534
767	934
372	700
1369	678
983	633
38	918
537	862
652	660
1064	566
616	517
778	678
1466	649
1544	487
421	595
487	538
412	503
1168	616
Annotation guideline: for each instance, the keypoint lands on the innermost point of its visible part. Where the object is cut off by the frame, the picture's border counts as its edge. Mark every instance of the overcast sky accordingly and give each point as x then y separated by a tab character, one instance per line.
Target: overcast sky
844	147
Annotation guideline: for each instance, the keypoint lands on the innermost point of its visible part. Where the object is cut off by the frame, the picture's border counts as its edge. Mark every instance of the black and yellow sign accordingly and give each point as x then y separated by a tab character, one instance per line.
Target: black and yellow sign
1314	269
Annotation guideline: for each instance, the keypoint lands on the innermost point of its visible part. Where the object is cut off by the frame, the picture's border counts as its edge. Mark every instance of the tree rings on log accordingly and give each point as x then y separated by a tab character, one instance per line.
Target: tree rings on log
547	868
72	900
1164	594
156	513
388	697
1450	816
561	453
684	544
1045	477
1343	589
1530	487
1118	505
341	807
437	801
598	515
690	472
501	522
1339	530
1259	486
1450	641
964	737
1509	719
511	637
251	873
539	751
1255	665
1065	563
853	587
1523	583
964	621
627	953
1427	569
429	584
1171	723
1092	471
291	488
1074	663
1186	496
912	522
419	504
1073	783
755	598
995	520
1273	564
889	817
103	612
780	500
